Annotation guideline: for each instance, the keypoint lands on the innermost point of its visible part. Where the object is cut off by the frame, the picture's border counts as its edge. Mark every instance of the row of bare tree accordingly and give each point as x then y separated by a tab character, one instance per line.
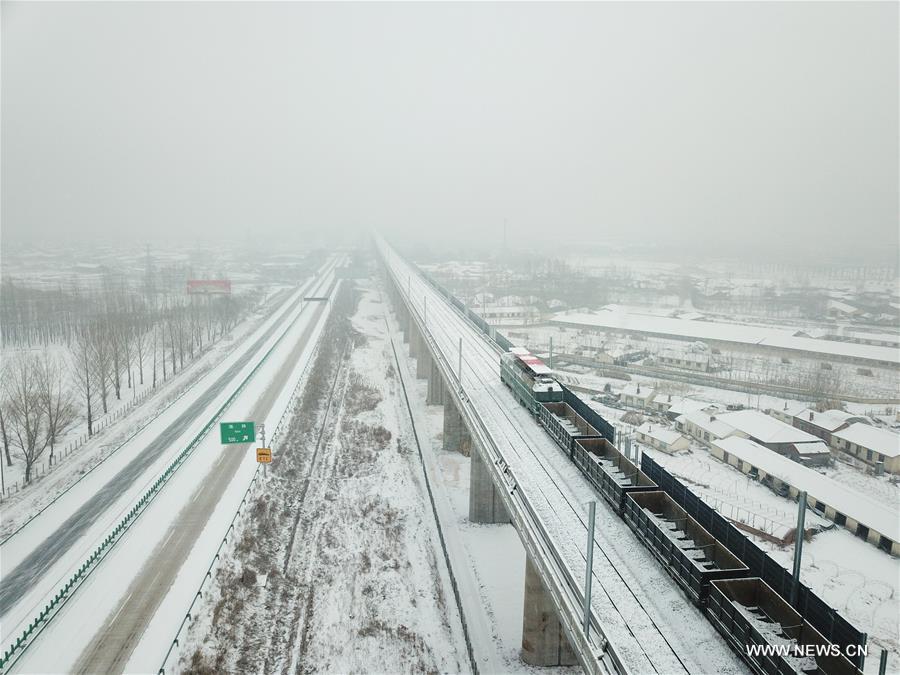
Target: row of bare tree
37	406
44	394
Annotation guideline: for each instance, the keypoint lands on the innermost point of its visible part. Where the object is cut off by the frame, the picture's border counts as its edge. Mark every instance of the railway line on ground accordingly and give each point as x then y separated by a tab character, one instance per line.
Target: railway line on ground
298	606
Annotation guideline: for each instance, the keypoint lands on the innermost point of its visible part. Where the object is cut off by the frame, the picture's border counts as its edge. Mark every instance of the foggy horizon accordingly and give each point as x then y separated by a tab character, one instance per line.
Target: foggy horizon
450	337
720	129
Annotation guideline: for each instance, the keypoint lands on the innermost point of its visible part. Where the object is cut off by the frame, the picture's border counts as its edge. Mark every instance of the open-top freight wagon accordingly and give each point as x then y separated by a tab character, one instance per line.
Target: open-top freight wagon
752	617
565	425
700	563
689	553
610	472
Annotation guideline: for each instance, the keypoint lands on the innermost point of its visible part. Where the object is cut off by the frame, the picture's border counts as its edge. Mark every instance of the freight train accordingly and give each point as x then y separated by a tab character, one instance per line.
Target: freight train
743	608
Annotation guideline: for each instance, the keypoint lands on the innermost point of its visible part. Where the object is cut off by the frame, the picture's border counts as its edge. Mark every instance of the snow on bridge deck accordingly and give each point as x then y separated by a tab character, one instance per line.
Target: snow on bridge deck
649	621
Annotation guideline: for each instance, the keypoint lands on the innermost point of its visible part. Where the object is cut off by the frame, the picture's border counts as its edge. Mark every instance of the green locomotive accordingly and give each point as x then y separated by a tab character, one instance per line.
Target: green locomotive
529	379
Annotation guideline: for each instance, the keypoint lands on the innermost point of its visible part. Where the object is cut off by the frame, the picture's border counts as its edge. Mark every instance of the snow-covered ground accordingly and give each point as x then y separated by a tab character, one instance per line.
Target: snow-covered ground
72	630
355	579
637	597
743	364
76	453
488	560
859	580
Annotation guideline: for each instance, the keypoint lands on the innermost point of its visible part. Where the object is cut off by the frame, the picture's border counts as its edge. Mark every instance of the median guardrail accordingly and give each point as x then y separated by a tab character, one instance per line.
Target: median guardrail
12	654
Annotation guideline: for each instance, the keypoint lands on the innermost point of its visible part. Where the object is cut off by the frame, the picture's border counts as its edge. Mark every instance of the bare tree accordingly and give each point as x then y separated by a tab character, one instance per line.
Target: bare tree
102	361
113	338
140	342
81	367
27	420
155	352
56	399
127	329
3	415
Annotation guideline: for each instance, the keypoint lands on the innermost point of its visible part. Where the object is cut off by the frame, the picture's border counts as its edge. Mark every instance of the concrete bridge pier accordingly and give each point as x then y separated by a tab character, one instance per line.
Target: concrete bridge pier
456	436
423	359
544	643
436	389
403	319
485	502
412	335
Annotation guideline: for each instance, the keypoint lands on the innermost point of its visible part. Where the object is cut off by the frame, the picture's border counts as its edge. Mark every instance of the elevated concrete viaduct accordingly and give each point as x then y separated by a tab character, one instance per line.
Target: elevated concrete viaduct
546	632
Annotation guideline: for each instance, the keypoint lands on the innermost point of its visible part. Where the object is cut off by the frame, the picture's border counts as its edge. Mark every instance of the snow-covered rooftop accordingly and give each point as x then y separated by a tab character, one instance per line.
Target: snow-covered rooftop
828	420
792	408
643	392
872	438
708	422
842	307
890	338
856	505
683	405
766	429
820	448
685	355
726	332
662	434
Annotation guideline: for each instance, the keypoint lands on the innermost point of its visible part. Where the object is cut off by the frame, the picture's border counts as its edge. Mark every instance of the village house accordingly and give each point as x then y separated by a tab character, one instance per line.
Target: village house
687	360
704	425
661	438
823	424
777	436
875	446
787	412
637	396
680	405
867	518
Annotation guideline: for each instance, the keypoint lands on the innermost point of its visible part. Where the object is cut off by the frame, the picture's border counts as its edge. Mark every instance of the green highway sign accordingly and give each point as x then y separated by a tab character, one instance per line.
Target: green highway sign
237	432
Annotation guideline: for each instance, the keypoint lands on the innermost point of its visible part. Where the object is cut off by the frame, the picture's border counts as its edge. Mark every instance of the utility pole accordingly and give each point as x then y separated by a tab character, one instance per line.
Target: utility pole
262	443
592	509
798	546
550	364
459	371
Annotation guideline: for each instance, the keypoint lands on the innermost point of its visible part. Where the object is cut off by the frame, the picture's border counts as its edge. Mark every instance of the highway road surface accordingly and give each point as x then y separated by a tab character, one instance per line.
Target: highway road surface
29	575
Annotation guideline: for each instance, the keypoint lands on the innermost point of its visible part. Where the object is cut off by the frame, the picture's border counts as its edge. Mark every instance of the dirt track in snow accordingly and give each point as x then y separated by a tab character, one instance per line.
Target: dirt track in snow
343	530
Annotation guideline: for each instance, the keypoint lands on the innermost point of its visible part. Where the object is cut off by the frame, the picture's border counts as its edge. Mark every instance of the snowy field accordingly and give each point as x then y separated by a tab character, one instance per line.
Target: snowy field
736	363
488	560
340	569
113	430
220	476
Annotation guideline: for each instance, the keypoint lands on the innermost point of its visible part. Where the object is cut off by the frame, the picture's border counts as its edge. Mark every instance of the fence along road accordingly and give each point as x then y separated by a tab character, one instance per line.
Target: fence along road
113	644
31	567
28	574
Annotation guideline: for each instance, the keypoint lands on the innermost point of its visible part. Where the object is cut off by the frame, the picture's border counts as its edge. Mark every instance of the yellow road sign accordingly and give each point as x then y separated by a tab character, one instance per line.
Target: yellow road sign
264	455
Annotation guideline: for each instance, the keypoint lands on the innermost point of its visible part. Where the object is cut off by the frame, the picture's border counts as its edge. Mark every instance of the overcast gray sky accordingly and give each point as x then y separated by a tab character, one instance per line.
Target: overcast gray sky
770	124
